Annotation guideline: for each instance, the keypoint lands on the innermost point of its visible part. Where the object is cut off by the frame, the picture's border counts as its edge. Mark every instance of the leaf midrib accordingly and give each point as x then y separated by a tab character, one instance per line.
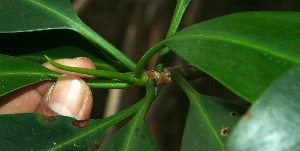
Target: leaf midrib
193	96
225	39
198	106
102	126
80	26
55	12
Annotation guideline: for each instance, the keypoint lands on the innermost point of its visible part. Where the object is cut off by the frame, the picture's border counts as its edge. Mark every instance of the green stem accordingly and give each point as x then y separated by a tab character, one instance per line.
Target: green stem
145	58
150	96
109	84
183	83
128	77
138	119
120	116
108	47
179	11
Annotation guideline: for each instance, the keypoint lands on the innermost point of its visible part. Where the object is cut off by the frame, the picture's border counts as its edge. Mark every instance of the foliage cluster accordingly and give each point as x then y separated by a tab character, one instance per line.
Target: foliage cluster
254	54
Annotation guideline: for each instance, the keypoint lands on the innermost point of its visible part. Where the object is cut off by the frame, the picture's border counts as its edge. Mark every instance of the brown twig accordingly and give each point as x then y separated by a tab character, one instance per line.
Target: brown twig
188	71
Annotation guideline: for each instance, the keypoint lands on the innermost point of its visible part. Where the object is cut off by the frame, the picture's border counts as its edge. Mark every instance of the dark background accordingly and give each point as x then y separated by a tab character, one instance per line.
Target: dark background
136	25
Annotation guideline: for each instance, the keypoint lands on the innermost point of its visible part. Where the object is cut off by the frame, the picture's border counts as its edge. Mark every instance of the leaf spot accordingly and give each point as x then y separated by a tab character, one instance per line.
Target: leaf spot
143	136
80	123
248	115
233	113
224	131
138	133
49	118
94	146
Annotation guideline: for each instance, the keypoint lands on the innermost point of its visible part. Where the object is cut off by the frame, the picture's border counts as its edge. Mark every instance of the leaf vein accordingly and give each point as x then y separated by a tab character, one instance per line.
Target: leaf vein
258	48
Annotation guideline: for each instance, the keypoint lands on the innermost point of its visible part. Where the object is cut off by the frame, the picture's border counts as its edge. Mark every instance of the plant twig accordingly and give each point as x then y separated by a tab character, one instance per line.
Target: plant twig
178	13
120	116
186	70
145	58
109	84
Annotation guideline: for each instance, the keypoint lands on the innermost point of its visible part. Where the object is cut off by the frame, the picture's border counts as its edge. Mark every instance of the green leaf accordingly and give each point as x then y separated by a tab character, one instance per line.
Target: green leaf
38	132
209	120
54	43
246	52
37	15
16	73
134	136
34	15
272	123
69	52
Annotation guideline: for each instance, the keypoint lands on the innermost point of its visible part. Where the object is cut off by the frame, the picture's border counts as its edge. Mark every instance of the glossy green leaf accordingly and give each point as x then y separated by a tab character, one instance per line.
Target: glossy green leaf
36	15
134	136
55	44
209	121
272	123
68	52
16	73
38	132
246	52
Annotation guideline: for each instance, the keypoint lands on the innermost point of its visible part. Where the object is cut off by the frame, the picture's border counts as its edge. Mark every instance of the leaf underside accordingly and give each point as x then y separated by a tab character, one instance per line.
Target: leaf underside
272	123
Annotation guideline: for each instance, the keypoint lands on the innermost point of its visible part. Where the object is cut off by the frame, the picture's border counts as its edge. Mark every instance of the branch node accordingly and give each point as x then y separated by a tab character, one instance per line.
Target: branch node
186	70
163	78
